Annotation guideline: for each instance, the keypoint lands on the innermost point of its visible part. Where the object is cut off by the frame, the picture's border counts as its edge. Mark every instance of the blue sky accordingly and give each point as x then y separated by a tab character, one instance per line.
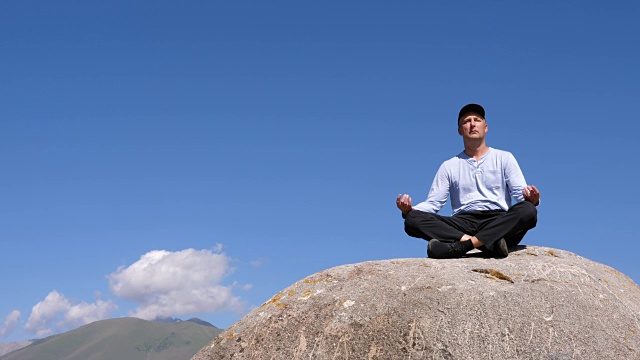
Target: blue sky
194	158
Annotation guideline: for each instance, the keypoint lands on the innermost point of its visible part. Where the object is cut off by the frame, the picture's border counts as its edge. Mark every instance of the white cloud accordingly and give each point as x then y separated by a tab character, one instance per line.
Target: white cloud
166	283
56	313
258	262
247	287
85	313
45	312
10	323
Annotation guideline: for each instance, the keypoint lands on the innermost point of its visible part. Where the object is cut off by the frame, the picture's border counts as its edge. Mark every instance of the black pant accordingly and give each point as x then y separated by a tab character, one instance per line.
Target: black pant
488	226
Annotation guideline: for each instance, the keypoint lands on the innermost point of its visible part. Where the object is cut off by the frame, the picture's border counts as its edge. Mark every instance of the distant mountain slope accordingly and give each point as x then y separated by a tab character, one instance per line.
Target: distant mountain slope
6	348
121	339
174	320
200	322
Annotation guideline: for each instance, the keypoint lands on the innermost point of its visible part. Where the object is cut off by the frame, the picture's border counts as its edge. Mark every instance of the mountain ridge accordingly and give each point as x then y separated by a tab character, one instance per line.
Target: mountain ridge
122	338
7	347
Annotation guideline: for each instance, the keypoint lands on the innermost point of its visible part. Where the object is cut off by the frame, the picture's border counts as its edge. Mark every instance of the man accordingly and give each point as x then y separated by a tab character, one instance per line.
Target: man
481	182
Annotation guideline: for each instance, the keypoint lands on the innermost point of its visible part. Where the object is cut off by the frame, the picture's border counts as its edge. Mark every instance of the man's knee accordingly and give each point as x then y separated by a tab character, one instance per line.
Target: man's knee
410	222
414	221
528	214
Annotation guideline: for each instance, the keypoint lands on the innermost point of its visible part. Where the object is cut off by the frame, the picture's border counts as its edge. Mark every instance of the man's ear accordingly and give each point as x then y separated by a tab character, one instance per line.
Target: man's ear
459	131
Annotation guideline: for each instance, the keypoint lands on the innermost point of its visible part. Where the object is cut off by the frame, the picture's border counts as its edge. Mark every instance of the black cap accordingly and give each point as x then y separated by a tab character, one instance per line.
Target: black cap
475	108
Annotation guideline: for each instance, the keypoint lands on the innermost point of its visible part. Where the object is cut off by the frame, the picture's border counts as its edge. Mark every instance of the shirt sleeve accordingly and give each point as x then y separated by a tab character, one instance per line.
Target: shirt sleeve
514	178
438	194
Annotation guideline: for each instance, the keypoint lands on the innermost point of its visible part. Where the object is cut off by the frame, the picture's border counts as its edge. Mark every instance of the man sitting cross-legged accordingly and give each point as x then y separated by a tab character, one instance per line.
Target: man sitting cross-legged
481	182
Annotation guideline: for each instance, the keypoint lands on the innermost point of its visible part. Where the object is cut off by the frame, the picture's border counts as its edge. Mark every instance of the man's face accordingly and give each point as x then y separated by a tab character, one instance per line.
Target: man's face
472	126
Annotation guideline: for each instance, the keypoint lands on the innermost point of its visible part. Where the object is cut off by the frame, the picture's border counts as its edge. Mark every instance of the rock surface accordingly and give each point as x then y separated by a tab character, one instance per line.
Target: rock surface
538	303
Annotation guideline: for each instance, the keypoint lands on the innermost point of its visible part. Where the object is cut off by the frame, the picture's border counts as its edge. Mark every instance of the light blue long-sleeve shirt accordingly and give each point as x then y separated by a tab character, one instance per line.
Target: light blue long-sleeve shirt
487	184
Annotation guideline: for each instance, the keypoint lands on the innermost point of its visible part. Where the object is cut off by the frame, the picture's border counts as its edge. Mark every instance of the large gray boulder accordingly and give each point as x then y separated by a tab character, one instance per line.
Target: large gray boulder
538	303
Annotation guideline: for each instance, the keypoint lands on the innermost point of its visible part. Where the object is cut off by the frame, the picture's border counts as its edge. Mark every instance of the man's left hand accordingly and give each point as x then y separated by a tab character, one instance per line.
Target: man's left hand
531	194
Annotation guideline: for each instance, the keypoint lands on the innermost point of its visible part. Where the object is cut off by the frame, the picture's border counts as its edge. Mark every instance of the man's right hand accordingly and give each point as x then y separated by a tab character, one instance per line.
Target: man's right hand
404	203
